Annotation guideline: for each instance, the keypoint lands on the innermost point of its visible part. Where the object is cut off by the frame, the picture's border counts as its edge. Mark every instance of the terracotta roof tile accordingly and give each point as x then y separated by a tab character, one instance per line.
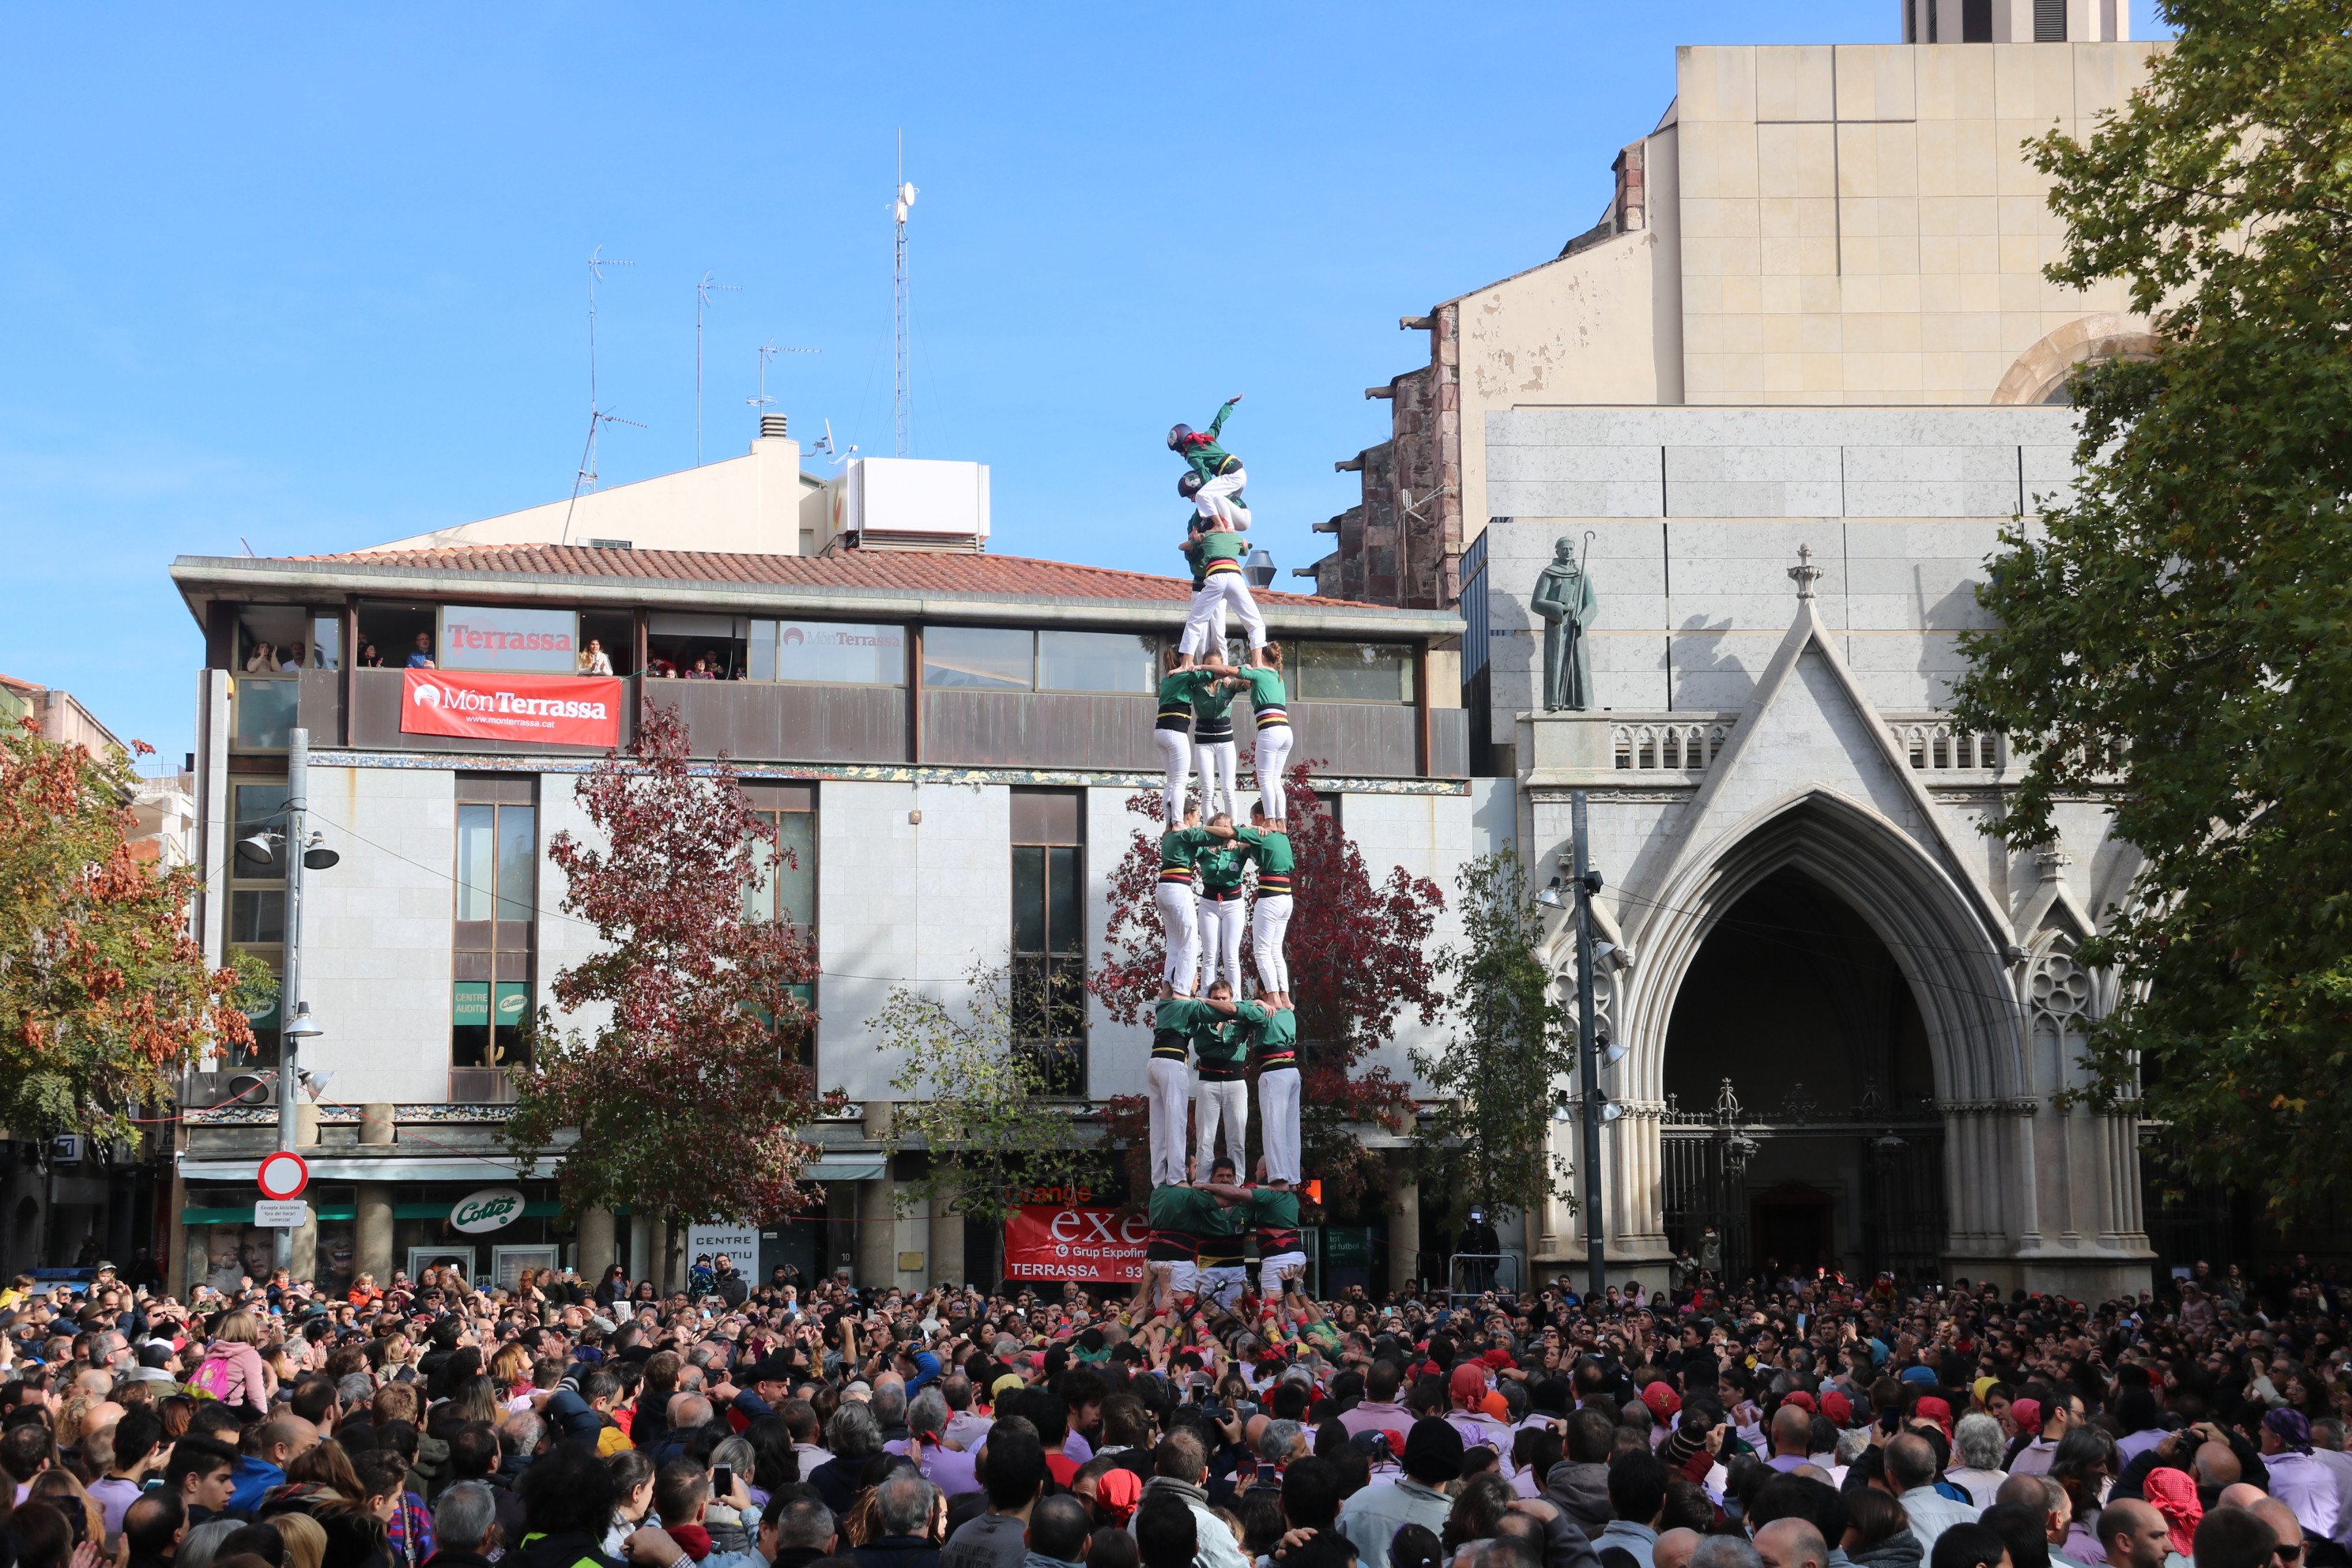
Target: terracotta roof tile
921	571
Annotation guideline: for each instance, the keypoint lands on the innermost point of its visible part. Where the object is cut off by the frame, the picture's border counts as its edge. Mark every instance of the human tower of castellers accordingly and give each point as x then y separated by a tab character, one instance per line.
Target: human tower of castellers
1201	1210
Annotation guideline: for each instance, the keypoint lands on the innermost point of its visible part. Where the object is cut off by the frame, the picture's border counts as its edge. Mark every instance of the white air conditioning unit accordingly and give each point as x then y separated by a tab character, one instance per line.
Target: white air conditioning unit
911	503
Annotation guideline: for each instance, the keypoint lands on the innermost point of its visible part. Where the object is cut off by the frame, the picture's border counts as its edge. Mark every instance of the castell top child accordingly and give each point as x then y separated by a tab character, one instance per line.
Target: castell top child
1220	473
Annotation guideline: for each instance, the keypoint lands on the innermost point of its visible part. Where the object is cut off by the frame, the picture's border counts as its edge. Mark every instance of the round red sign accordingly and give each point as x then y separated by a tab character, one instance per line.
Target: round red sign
283	1176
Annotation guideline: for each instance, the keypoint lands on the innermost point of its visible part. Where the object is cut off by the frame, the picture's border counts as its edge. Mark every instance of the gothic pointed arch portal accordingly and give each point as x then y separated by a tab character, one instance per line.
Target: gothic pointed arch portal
1800	1125
1933	1137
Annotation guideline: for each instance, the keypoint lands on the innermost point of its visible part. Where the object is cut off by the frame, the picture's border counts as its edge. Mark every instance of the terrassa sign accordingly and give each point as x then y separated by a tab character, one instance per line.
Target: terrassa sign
493	1209
558	709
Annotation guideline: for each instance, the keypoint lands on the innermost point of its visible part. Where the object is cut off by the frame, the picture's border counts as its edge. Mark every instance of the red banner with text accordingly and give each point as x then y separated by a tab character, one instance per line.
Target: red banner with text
1050	1241
553	710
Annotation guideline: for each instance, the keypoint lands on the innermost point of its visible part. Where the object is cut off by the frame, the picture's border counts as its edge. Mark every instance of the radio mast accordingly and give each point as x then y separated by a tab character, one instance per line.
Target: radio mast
902	199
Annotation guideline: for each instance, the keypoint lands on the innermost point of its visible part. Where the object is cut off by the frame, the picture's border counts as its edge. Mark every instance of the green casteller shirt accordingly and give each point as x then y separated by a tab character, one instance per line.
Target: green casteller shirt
1271	850
1202	454
1198	562
1220	869
1176	1021
1276	1032
1265	690
1274	1214
1178	845
1221	544
1223	1052
1181	1208
1221	1236
1178	695
1212	699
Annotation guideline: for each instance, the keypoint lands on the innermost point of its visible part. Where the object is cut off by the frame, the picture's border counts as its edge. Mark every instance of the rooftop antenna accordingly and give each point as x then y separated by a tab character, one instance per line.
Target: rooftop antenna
702	292
832	453
587	471
769	350
902	199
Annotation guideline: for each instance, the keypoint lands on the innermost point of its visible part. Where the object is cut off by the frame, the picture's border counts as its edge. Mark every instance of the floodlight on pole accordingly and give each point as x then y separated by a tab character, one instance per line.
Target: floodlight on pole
301	1025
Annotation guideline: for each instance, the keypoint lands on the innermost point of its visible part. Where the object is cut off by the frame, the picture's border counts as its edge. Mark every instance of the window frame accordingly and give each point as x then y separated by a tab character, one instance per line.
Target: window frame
1066	1057
501	795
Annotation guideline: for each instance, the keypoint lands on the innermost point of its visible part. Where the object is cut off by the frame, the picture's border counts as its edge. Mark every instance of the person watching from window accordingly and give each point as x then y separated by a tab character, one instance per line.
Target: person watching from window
420	656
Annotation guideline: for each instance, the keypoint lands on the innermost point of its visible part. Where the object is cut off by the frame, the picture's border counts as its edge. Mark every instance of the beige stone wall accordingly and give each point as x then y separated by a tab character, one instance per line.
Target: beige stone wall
1859	224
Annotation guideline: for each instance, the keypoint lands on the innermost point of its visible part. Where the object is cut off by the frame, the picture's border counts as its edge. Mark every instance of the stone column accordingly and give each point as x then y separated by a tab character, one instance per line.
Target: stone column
372	1247
877	1233
657	1253
304	1261
946	1259
1404	1225
371	1233
596	1244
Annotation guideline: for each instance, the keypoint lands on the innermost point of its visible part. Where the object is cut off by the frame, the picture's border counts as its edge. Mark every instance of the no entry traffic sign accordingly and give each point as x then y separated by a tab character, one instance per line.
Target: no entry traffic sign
283	1176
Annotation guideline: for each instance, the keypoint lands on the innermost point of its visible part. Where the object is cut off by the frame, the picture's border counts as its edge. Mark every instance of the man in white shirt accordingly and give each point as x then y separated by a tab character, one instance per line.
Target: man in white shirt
1911	1476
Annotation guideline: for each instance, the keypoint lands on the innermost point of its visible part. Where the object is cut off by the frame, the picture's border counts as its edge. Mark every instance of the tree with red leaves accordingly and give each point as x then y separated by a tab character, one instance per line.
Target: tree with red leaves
104	994
690	1095
1358	957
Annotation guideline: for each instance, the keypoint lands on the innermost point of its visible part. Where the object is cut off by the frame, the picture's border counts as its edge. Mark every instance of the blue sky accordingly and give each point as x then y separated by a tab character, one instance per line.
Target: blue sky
313	278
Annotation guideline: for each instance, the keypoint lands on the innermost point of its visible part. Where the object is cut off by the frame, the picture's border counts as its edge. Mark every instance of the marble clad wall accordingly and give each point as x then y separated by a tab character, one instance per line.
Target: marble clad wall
1696	514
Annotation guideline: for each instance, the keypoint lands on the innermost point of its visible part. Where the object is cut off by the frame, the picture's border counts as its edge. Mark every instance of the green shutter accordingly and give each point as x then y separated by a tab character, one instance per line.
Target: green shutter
514	1003
470	1003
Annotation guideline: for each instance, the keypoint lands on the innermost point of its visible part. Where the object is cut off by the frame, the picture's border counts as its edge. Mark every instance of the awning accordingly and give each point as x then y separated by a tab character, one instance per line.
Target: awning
370	1168
379	1168
846	1168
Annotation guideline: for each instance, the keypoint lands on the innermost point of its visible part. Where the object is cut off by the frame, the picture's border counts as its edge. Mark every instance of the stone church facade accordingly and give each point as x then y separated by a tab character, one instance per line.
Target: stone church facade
1780	402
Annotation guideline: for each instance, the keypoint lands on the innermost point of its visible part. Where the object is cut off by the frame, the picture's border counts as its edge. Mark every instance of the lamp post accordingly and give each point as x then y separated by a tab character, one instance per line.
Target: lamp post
1587	882
296	1024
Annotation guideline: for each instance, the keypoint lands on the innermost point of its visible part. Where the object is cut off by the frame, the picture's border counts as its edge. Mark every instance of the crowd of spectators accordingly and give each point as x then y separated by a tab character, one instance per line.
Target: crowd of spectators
1791	1424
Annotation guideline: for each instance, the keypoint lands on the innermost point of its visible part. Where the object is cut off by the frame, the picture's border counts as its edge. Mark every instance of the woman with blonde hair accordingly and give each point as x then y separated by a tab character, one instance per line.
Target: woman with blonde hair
232	1369
305	1538
511	1370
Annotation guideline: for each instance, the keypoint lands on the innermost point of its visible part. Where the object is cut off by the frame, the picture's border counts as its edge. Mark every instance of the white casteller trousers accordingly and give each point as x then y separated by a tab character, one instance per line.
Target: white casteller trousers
1176	762
1273	757
1215	761
1227	589
1219	498
1172	1102
1220	941
1278	1109
1225	1103
1269	1272
1269	924
1180	928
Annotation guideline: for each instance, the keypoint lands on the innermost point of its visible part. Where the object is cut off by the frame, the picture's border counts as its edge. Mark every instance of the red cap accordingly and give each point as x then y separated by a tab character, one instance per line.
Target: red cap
1467	1383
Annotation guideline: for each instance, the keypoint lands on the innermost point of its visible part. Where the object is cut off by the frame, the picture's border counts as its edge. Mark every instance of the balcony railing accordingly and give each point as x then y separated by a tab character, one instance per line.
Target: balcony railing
769	721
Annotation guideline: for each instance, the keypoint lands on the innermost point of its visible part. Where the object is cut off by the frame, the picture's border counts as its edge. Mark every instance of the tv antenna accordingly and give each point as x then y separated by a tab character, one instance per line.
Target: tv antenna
586	475
902	200
702	292
832	453
769	350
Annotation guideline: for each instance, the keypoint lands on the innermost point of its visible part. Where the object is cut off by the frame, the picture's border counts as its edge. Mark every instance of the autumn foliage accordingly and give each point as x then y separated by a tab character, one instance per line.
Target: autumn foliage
690	1095
104	994
1358	953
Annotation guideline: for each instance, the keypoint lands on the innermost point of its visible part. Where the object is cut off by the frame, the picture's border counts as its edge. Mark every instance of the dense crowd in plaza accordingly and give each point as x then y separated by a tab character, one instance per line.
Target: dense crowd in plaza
1793	1424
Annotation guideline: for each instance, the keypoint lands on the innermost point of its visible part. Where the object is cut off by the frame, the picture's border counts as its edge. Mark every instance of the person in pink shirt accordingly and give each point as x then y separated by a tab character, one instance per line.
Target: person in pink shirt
1379	1411
1466	1390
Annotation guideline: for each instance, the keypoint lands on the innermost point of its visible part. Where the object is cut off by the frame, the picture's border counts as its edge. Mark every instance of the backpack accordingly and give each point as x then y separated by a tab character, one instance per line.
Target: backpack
212	1378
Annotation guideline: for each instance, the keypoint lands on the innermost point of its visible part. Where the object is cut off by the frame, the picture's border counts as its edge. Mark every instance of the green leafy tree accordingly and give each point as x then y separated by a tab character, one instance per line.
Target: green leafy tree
1491	1088
2175	640
104	994
978	1106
